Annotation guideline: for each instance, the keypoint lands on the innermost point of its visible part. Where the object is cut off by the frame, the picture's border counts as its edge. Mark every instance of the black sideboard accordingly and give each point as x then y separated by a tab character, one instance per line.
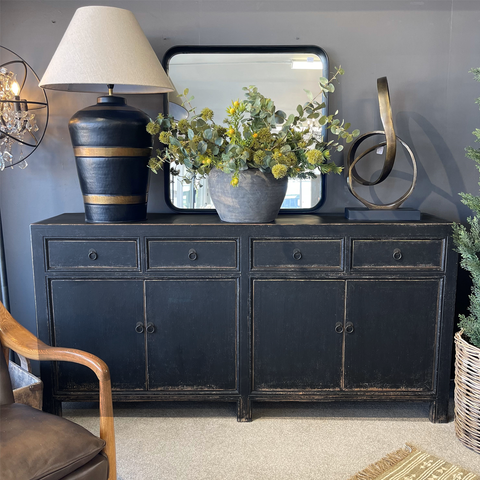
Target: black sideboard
308	308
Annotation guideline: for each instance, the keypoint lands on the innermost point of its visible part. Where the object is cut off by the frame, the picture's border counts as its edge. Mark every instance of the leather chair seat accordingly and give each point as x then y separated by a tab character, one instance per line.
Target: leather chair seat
54	447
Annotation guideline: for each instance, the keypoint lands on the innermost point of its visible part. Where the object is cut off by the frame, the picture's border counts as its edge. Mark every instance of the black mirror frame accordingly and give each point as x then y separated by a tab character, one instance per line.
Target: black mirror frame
179	49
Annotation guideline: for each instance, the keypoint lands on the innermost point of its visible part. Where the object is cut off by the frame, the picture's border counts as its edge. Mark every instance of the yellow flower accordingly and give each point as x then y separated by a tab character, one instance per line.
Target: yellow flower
291	159
279	171
207	114
236	103
315	157
232	110
164	137
234	182
255	135
153	128
258	157
264	135
183	126
231	131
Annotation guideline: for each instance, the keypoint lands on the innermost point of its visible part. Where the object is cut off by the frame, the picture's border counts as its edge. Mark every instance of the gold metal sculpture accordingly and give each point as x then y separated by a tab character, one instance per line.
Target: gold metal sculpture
390	152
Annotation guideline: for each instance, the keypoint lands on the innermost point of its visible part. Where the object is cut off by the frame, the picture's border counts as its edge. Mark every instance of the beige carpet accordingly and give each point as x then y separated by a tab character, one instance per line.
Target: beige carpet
284	442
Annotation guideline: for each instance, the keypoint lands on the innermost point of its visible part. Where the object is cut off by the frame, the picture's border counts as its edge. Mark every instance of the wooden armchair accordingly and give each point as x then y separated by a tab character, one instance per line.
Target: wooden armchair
38	445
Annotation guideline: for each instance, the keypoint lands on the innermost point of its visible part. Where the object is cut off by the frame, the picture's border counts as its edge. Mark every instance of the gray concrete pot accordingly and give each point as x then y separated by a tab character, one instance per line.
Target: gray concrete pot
256	199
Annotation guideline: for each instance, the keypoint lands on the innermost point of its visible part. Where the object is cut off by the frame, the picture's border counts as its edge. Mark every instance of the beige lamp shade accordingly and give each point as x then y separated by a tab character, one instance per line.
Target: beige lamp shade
105	46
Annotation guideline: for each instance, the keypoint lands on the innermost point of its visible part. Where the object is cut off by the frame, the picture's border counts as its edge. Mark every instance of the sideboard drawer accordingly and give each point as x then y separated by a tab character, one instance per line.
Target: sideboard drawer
398	254
92	254
318	254
194	254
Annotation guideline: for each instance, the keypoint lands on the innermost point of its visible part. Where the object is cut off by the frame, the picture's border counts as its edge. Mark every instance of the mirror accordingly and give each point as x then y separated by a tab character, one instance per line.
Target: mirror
216	75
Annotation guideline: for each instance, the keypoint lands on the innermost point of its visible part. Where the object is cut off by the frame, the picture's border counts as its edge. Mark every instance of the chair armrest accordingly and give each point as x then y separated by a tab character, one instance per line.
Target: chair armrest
19	339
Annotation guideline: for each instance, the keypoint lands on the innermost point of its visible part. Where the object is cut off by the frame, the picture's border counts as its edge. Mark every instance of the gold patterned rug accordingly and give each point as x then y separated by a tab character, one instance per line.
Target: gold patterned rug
410	463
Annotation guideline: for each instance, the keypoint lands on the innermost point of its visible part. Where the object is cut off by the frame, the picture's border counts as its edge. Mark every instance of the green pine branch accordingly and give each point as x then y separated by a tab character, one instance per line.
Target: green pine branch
467	242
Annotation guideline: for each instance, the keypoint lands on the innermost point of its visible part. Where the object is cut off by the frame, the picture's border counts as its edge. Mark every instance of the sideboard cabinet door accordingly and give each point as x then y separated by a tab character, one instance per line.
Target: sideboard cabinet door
191	333
392	340
295	344
99	316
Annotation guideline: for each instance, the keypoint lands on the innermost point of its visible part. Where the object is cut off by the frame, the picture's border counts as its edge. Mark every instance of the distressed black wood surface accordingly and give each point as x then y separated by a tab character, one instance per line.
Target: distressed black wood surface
299	253
99	316
70	219
295	345
398	254
394	336
244	319
92	254
193	345
191	254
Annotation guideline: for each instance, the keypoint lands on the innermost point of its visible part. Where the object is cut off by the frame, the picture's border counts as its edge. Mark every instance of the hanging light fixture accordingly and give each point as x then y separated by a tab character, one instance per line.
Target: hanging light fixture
20	135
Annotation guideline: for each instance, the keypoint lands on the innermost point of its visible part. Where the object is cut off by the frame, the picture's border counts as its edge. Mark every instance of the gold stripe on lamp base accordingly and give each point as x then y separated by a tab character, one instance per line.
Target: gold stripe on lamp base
105	152
115	199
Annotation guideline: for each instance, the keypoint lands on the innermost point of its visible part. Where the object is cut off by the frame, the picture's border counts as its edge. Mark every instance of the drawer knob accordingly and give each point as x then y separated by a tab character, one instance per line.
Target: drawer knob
339	327
150	327
139	327
349	327
297	254
192	254
397	254
92	254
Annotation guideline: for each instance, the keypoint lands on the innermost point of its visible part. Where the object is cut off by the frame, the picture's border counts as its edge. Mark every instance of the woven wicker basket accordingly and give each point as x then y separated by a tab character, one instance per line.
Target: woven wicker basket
467	393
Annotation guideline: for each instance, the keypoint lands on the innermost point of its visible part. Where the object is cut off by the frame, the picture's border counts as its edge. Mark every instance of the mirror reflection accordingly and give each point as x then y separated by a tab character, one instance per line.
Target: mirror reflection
216	76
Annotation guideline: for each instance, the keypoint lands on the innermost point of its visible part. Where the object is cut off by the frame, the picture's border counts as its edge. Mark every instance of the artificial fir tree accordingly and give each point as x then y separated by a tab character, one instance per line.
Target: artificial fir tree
467	241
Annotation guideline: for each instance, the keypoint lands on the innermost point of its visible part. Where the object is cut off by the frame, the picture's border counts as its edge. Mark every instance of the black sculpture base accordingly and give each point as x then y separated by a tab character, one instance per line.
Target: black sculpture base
398	214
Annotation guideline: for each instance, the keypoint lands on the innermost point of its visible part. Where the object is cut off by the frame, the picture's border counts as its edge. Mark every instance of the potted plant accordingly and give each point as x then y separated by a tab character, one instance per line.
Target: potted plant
250	156
467	340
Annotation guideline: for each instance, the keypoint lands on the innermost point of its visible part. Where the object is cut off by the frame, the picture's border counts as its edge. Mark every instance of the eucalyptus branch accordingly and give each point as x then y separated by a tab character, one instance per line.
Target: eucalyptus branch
255	135
338	71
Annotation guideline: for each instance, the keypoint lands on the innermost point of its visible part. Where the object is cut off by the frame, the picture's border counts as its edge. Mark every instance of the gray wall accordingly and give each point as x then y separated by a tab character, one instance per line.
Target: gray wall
425	48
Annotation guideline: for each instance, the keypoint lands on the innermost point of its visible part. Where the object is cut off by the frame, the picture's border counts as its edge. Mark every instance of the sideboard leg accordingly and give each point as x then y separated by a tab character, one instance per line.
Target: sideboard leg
57	408
244	409
439	411
50	405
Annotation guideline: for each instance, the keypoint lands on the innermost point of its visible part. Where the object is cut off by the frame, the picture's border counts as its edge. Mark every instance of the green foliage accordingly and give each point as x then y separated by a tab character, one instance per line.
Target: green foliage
254	134
467	241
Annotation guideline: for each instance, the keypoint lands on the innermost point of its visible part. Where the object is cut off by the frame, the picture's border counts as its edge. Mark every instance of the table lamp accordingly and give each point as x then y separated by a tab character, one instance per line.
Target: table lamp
104	49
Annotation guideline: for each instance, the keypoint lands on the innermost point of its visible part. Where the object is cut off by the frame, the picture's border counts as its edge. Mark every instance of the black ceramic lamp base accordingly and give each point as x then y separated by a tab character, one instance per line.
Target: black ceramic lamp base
112	149
115	213
398	214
